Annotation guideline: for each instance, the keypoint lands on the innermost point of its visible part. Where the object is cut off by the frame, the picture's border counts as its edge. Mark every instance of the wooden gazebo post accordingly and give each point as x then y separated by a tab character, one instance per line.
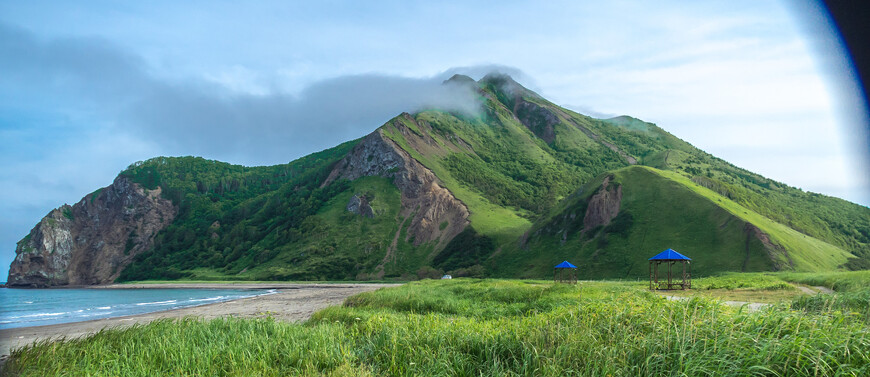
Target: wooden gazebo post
670	257
559	271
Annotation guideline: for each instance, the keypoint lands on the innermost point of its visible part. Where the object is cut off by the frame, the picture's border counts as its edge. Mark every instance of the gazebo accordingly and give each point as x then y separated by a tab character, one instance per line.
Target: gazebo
563	269
670	257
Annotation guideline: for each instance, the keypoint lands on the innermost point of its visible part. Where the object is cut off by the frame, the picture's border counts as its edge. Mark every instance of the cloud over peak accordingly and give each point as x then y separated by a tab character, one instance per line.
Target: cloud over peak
203	117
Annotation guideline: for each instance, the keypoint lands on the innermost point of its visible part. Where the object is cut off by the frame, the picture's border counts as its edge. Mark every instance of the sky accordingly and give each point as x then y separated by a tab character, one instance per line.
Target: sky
89	87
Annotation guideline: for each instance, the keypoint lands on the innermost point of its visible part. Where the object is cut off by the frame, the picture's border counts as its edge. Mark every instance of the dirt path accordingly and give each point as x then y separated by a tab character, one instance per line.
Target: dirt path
806	290
822	289
750	306
814	290
292	303
754	306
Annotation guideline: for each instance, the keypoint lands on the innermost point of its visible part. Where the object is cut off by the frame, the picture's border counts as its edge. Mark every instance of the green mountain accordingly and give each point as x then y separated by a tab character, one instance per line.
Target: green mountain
507	192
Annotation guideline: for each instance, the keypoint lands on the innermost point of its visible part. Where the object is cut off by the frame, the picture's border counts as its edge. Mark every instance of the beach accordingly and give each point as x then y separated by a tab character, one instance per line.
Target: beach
292	303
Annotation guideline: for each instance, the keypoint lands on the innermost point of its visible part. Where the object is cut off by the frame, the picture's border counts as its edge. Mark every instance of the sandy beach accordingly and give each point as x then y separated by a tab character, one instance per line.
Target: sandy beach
292	302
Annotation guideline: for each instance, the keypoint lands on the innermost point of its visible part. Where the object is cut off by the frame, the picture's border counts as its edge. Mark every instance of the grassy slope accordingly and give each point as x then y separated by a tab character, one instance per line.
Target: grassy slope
487	217
806	253
833	220
668	211
485	328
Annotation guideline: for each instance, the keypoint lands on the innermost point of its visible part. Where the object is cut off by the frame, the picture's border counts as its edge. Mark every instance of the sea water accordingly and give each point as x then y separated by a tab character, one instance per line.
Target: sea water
36	307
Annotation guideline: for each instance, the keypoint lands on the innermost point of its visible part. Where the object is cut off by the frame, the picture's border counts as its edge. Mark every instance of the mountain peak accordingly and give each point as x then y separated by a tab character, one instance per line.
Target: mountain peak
504	83
623	118
499	79
459	79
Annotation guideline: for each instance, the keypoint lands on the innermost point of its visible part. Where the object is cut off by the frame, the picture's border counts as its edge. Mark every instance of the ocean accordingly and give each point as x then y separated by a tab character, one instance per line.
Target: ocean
37	307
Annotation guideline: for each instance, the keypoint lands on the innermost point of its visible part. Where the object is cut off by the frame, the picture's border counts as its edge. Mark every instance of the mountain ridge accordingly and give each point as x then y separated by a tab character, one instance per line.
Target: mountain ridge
439	191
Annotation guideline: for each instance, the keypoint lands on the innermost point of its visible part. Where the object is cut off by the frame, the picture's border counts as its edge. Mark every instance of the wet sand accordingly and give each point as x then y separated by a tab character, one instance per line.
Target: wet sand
292	303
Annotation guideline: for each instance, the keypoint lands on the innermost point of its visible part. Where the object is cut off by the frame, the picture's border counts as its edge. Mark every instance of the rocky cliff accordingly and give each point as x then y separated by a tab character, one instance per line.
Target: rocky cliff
93	240
424	201
603	206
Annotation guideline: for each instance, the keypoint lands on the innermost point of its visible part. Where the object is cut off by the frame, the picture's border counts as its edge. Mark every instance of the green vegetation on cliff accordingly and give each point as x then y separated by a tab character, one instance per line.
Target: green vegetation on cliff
233	217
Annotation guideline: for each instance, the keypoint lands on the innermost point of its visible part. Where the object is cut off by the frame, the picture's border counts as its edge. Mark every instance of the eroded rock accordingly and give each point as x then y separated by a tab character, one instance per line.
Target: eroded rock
92	241
537	119
603	206
778	254
359	204
423	198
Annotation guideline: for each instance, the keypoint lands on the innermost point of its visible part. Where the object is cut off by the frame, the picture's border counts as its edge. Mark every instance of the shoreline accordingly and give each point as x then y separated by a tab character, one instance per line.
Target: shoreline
292	303
195	285
214	285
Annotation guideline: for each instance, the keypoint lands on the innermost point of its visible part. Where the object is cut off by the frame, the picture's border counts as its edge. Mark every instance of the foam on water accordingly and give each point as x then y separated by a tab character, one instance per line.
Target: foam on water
36	307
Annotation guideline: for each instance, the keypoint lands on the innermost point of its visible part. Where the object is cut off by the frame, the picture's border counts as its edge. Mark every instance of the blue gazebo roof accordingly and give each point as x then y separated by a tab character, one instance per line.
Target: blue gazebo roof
670	254
565	264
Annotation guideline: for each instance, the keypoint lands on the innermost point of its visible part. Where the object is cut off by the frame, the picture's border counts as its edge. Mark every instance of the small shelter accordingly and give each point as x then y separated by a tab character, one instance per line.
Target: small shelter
675	279
563	269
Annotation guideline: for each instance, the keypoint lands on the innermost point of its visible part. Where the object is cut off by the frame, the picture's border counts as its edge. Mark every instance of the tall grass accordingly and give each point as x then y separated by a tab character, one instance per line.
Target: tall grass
855	303
220	347
852	294
840	281
474	328
734	280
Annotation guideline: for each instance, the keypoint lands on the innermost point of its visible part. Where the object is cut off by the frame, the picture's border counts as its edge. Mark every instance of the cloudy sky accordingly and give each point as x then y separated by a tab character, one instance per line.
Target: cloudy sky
88	87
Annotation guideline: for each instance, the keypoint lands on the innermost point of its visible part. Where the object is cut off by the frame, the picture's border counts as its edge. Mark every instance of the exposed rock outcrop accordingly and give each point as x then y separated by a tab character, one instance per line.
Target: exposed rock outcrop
92	241
778	254
359	204
603	206
423	199
514	96
537	119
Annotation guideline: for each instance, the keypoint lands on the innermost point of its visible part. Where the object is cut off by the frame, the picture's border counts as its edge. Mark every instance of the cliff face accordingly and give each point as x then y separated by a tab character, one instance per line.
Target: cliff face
424	201
93	240
537	119
603	206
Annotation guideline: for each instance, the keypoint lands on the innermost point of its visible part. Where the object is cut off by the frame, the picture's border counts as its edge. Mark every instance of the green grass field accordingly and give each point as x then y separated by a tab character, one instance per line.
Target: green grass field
499	328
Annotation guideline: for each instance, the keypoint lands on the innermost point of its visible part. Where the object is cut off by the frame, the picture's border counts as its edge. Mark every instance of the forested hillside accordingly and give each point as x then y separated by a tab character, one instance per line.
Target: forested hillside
230	217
